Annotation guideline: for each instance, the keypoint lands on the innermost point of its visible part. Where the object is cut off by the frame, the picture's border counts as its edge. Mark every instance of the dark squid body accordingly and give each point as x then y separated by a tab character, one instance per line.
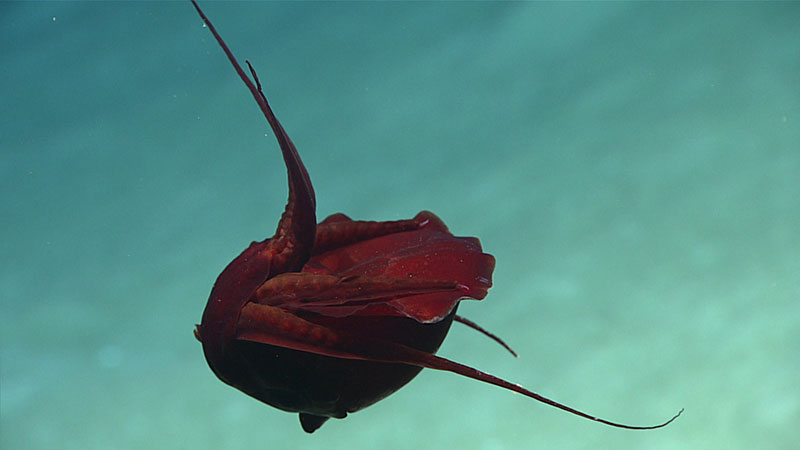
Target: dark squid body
327	318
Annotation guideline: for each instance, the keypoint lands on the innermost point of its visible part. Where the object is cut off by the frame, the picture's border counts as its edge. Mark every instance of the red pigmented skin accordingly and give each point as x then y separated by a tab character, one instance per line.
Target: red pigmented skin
325	319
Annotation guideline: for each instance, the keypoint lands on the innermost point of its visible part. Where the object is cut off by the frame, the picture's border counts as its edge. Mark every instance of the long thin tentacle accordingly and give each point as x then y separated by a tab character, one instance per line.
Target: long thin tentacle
297	226
487	333
273	326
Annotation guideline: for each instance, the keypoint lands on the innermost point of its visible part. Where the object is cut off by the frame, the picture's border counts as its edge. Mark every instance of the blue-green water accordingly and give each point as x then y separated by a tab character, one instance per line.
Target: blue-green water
634	168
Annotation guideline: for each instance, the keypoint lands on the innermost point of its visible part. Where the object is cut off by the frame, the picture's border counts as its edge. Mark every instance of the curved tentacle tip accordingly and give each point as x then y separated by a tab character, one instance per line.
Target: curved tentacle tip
653	427
670	420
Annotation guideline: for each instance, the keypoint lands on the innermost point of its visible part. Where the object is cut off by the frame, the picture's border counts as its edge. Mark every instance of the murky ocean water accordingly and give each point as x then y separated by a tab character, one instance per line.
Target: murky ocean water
632	167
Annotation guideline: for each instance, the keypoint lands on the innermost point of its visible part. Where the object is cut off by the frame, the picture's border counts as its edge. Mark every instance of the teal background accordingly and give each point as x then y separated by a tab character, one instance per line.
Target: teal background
634	168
